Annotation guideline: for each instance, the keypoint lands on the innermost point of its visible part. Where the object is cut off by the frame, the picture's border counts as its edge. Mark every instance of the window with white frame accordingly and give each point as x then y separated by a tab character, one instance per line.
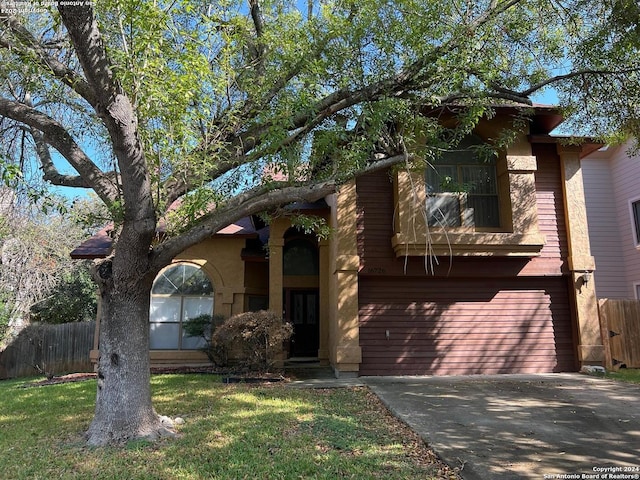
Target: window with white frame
635	220
462	188
179	293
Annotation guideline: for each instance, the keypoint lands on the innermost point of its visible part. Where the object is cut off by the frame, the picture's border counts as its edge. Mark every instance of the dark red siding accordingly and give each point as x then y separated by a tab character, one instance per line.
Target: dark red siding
550	204
439	326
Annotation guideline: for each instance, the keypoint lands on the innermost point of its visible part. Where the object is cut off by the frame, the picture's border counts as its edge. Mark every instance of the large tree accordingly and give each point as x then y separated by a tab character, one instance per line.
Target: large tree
154	104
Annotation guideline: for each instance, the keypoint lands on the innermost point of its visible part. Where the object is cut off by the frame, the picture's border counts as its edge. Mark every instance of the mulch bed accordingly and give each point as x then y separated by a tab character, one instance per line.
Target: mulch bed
227	376
56	380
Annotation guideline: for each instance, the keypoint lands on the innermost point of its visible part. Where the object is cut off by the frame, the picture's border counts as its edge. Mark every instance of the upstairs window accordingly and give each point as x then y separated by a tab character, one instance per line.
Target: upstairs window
179	293
461	188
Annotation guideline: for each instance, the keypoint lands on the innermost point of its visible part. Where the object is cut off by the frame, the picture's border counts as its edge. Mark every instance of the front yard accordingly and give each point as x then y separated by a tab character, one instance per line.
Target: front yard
230	432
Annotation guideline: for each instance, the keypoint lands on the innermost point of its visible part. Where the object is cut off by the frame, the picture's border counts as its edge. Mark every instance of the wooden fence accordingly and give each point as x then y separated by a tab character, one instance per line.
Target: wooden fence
620	324
54	349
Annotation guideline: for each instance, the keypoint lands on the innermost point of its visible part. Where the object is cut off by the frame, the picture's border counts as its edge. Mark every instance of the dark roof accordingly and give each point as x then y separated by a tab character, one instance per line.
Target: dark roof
587	145
543	120
99	245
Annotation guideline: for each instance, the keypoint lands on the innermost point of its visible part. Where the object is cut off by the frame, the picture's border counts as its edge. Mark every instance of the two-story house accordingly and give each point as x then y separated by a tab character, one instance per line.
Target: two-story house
417	277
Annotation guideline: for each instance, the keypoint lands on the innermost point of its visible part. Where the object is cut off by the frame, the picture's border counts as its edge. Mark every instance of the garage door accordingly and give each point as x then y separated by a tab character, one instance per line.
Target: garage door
451	326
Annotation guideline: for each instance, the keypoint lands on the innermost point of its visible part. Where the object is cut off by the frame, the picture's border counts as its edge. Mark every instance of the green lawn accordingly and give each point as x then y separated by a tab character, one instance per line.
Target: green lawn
631	375
230	432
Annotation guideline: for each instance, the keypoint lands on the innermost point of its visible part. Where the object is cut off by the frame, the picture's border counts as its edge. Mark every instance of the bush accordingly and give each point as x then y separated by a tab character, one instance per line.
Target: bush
73	299
7	314
257	336
251	339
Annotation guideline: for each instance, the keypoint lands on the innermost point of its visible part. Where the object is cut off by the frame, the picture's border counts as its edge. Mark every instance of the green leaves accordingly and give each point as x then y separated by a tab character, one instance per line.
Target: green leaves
10	173
209	82
320	90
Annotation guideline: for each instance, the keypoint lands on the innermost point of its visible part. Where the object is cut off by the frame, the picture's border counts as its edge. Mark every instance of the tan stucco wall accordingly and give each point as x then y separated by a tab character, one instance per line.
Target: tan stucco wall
276	243
345	353
580	261
221	259
325	306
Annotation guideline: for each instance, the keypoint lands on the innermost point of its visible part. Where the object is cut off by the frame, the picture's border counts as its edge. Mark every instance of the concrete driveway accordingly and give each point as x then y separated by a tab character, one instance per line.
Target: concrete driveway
522	426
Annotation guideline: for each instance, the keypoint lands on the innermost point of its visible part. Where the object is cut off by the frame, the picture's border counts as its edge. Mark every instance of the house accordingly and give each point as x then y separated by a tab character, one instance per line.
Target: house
414	279
612	194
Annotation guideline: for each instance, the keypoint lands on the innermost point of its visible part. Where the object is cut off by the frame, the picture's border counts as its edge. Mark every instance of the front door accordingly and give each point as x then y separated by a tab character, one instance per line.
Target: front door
302	308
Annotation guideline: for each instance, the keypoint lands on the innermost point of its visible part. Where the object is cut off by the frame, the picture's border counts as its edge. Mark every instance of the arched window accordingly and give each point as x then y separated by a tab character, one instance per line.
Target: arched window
180	292
300	257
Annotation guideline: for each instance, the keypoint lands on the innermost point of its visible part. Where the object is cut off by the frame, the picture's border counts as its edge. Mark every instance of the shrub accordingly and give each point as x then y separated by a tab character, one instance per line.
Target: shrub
73	299
257	336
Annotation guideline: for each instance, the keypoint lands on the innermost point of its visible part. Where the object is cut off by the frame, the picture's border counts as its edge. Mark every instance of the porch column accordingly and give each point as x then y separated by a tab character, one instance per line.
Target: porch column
276	244
345	354
323	283
580	262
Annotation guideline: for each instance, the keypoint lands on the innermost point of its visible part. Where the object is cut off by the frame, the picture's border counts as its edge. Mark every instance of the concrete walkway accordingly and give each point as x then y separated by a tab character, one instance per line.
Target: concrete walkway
522	426
316	376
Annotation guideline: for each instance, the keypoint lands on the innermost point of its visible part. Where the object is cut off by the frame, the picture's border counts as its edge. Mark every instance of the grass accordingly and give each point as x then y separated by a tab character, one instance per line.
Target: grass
230	432
630	375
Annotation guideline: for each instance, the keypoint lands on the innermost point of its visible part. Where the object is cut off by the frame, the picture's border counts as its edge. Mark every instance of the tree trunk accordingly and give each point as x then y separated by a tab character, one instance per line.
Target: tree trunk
123	403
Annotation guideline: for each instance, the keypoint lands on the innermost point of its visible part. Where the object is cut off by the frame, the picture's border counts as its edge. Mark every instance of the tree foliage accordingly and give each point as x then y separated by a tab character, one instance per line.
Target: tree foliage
36	272
71	299
219	85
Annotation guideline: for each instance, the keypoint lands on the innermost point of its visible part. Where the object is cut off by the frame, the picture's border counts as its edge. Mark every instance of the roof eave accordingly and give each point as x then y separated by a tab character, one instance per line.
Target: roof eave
588	145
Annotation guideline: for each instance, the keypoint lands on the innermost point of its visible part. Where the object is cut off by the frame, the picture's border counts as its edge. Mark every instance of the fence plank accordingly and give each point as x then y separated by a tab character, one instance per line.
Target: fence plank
55	349
620	323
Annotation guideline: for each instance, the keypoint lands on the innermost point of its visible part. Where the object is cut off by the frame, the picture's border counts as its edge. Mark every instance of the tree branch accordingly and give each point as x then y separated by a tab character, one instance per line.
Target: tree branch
499	94
258	49
495	8
256	16
57	136
87	41
176	187
577	73
257	200
116	111
50	172
32	48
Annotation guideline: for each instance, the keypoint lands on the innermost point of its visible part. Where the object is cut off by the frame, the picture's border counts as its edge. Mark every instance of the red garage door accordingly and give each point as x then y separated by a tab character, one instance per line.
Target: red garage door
451	326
